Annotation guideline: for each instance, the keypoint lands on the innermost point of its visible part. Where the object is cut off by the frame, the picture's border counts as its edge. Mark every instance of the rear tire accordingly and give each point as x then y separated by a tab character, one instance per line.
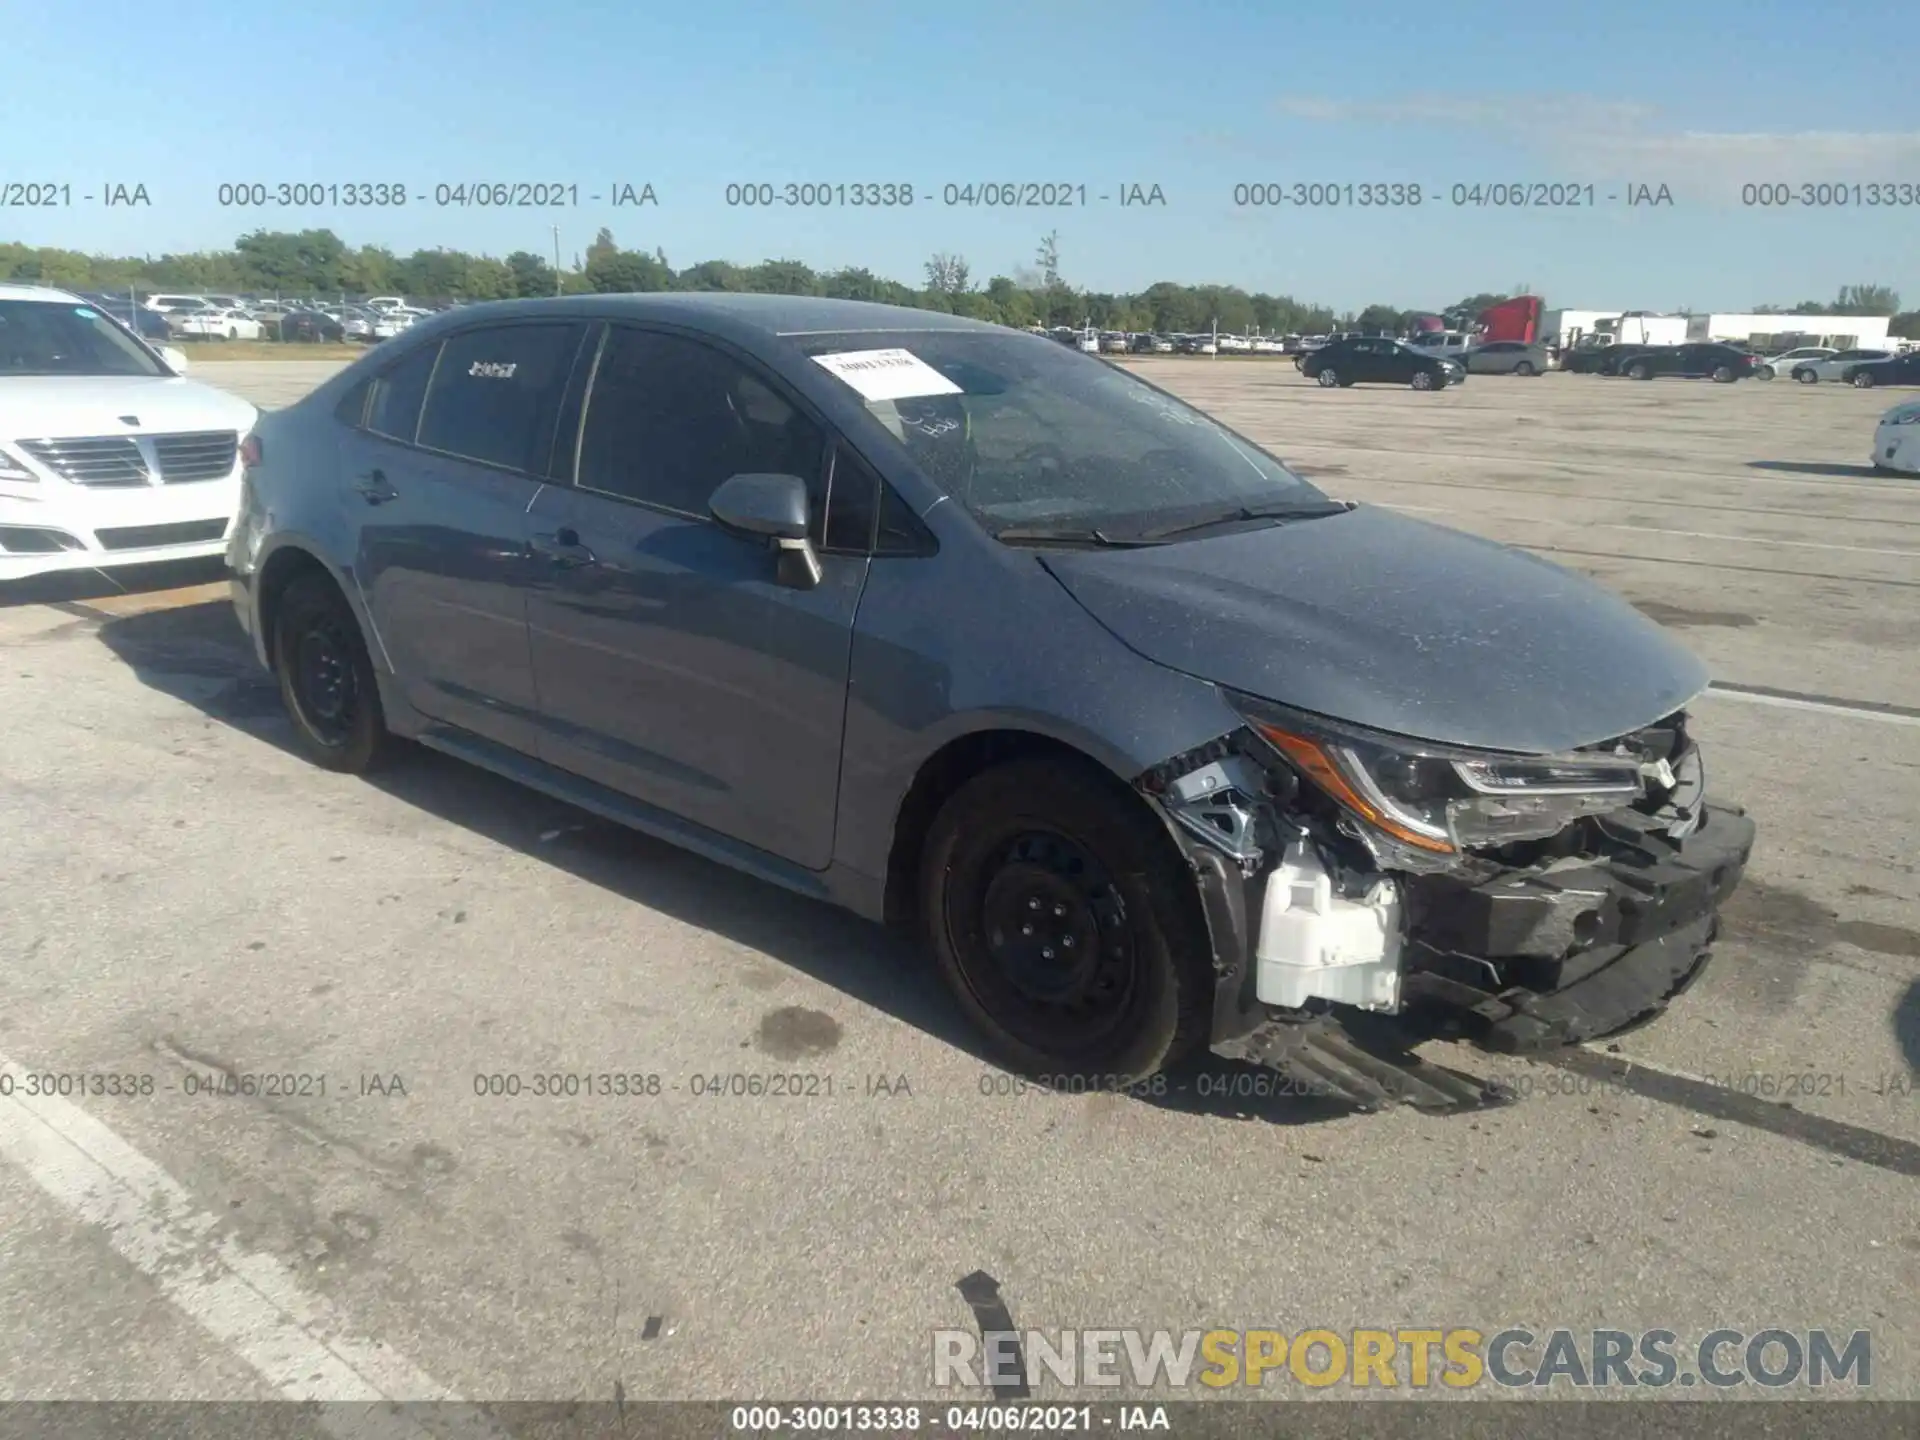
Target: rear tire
326	679
1723	375
1064	925
1525	367
1863	381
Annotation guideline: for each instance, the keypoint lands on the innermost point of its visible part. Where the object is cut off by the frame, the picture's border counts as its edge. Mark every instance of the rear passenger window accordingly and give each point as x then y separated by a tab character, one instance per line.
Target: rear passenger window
497	393
394	408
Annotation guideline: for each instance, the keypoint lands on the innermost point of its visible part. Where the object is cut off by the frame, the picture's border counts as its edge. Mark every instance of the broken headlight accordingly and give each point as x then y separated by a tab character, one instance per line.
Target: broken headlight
1441	800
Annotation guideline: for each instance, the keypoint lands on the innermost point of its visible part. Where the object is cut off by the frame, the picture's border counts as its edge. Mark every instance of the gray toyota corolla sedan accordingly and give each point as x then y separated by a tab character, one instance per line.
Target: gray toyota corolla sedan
1159	748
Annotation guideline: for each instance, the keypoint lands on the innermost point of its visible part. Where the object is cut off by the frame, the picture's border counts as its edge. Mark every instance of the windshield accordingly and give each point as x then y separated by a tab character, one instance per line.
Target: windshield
1023	432
55	337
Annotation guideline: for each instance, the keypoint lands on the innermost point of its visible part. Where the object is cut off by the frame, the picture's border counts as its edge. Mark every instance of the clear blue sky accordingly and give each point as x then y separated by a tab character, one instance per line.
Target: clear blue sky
1195	96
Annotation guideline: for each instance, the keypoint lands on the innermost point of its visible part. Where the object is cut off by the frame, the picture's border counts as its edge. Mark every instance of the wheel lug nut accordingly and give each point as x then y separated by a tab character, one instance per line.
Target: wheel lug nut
1059	910
1026	929
1046	952
1034	904
1066	943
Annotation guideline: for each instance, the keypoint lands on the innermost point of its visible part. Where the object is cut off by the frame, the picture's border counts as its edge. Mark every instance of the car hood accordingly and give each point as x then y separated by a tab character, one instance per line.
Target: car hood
50	406
1393	623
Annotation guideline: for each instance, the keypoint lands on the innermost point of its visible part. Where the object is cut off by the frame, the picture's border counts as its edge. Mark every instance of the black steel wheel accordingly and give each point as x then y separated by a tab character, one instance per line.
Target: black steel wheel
326	678
1065	924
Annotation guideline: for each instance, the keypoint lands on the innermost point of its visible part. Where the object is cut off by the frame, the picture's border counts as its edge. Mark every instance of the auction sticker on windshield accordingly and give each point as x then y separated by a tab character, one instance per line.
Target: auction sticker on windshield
887	374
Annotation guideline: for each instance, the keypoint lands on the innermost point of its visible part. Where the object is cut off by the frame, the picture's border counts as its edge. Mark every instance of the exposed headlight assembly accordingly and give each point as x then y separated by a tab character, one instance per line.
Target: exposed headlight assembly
1440	800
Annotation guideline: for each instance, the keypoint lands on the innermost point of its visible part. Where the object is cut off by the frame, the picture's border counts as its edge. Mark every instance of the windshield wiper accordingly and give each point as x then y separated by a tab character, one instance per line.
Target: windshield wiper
1236	514
1068	535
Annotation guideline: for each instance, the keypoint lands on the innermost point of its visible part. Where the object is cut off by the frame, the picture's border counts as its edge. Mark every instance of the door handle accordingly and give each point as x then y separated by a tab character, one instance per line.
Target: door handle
374	489
563	547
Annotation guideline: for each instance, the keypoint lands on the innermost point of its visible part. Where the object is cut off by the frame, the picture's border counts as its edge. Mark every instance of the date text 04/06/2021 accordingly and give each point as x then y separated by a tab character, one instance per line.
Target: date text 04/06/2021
987	1419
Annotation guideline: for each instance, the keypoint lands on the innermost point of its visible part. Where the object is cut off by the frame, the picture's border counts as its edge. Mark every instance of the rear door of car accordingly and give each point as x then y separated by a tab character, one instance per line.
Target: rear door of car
456	442
671	663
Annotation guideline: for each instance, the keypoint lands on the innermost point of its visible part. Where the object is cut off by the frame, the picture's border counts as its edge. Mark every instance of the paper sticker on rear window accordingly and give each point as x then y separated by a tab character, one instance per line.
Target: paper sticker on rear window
887	374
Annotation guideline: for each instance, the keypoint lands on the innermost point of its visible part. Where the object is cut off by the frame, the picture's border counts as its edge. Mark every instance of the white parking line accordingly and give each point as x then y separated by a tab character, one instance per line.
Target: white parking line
251	1303
1822	707
1745	539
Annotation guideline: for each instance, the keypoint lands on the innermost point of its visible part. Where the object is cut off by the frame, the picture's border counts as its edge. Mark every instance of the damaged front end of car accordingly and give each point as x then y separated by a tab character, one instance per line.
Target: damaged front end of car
1364	891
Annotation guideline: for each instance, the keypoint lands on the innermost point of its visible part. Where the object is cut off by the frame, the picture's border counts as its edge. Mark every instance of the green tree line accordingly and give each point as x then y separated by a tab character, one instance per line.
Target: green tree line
320	263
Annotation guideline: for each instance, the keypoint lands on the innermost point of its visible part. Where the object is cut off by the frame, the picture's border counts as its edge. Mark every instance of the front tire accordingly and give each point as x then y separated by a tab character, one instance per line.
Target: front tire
1638	371
1327	378
1064	925
1807	377
326	679
1423	381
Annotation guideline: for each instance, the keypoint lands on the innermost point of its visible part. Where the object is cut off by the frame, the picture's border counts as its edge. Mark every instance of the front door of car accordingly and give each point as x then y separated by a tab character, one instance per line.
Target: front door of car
455	443
1395	363
672	664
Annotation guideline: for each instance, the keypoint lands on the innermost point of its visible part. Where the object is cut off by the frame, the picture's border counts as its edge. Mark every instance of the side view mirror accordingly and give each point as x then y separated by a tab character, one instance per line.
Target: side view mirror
773	507
176	359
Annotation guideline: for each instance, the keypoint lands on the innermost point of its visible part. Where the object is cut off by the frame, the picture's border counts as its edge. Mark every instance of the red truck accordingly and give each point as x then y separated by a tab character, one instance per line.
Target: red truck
1515	319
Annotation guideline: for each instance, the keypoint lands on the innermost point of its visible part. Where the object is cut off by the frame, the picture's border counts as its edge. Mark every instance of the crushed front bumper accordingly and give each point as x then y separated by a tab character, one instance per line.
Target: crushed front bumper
1518	959
1581	948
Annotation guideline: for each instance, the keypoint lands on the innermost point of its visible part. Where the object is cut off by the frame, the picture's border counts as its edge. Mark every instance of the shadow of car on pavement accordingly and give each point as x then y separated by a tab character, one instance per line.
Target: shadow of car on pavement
198	654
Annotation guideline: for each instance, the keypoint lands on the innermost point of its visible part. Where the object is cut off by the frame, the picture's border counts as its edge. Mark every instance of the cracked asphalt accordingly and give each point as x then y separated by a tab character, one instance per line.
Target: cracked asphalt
185	905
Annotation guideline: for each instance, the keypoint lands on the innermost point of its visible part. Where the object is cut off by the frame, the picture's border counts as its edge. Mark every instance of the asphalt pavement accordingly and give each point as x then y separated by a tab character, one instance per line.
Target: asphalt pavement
186	905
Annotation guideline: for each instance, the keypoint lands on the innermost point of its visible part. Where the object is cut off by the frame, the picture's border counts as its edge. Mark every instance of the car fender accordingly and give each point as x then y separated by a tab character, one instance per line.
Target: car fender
925	674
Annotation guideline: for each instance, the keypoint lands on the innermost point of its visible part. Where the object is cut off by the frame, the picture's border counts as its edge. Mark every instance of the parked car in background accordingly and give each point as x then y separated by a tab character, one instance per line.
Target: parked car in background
1896	440
177	304
1373	360
1812	372
107	456
1506	357
1902	369
215	324
309	327
1697	360
1783	364
1158	747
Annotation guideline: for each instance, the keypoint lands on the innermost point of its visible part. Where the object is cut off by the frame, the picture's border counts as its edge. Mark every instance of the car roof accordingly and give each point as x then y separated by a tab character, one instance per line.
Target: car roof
750	318
11	291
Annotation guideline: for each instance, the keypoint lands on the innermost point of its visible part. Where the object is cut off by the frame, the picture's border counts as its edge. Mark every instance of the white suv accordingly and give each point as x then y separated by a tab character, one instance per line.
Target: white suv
107	456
